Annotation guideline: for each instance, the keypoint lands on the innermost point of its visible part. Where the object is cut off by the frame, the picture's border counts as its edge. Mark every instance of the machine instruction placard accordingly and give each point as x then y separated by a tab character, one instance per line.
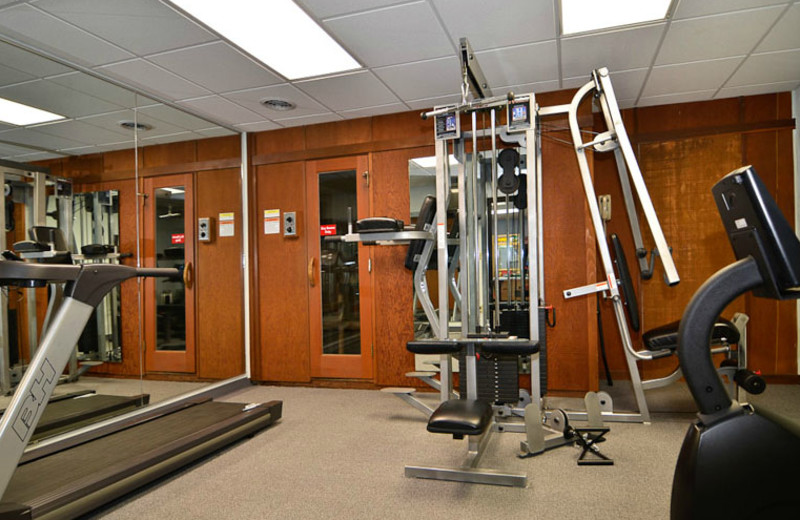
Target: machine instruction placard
226	224
272	221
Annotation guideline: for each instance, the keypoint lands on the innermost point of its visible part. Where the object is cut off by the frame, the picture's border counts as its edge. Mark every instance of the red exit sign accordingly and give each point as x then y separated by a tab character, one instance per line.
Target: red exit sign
178	238
327	230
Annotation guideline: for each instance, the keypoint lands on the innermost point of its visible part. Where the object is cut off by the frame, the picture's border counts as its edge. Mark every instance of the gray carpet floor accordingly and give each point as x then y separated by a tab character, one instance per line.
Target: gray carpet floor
340	454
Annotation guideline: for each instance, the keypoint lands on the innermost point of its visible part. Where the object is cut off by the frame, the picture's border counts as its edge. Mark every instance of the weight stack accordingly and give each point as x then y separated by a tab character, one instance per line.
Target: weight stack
515	322
498	378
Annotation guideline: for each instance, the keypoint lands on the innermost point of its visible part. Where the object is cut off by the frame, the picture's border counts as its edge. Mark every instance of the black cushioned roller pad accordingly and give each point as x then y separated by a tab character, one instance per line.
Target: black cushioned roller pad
378	225
516	348
666	336
461	417
434	347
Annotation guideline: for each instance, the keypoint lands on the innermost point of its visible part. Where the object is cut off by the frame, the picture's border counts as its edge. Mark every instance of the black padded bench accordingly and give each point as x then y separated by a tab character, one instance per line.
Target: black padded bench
666	336
460	417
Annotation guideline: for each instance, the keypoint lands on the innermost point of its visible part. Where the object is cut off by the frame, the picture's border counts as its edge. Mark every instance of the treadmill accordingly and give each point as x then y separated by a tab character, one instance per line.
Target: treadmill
70	475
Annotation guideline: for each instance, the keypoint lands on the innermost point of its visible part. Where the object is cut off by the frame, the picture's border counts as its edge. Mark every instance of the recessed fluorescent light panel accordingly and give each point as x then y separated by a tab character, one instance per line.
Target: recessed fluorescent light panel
21	115
578	16
276	32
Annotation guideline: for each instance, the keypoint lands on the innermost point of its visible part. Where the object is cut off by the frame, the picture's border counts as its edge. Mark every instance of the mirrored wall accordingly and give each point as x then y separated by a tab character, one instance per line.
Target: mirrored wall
86	215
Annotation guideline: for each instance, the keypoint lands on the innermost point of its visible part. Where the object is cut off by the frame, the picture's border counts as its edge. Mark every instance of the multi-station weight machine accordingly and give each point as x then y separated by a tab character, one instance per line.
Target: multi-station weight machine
502	315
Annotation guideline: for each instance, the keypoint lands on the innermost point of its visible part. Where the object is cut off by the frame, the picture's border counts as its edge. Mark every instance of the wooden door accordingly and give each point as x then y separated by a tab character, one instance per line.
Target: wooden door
339	278
169	305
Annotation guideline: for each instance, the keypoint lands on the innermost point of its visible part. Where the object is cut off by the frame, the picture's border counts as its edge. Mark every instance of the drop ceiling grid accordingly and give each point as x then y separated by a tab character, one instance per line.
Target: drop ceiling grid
516	45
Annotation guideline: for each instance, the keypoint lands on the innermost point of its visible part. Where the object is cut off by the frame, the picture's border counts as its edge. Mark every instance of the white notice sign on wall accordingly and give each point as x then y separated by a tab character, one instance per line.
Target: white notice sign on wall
226	224
272	221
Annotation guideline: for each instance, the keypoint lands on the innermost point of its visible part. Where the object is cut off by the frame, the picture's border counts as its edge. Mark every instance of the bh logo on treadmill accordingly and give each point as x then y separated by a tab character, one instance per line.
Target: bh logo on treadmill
33	401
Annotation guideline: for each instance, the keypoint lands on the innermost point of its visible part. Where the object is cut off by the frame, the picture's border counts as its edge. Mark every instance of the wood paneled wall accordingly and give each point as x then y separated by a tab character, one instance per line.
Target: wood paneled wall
219	277
683	150
281	337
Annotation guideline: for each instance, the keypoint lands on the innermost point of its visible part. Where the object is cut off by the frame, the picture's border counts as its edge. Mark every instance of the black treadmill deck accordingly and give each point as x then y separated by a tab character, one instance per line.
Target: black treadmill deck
76	480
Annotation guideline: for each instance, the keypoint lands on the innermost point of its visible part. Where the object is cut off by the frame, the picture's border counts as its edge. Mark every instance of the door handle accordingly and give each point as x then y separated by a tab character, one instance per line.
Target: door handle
311	271
188	275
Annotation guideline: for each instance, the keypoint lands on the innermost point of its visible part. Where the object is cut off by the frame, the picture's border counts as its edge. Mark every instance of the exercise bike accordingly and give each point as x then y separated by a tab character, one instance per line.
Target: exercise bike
732	442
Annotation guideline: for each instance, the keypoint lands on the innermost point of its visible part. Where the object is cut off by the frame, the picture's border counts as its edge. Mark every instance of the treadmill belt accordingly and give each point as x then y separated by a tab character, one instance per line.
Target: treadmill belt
57	480
73	413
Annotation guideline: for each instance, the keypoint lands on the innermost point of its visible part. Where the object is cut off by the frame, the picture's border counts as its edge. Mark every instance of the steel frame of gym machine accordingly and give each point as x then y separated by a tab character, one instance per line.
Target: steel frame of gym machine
35	215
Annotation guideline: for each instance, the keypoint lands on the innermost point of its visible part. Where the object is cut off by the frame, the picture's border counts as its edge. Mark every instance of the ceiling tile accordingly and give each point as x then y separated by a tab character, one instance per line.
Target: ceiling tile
517	22
27	136
686	97
83	132
374	111
776	66
532	63
219	109
56	98
580	55
175	117
423	79
423	104
153	79
112	121
536	88
627	83
9	76
98	88
258	127
327	8
310	120
48	33
142	27
251	99
214	131
216	66
754	90
786	33
8	150
693	8
22	60
689	77
348	91
732	34
37	156
168	138
400	34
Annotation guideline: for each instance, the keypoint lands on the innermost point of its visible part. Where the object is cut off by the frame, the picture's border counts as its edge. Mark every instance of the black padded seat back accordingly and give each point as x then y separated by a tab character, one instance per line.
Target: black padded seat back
46	238
666	336
625	282
427	212
461	417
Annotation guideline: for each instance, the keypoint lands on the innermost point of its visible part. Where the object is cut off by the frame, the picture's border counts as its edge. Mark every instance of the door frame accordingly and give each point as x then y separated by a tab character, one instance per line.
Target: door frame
339	366
182	361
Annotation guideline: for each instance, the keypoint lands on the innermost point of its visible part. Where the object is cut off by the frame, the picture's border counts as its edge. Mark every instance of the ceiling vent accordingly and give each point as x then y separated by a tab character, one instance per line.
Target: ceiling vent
278	104
132	125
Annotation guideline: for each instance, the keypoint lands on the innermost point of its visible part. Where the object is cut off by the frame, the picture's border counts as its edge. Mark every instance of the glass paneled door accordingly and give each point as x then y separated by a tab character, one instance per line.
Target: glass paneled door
339	279
169	304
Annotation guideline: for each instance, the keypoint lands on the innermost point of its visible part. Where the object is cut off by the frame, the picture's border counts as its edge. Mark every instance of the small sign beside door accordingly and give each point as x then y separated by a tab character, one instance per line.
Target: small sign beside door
327	230
272	224
178	238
